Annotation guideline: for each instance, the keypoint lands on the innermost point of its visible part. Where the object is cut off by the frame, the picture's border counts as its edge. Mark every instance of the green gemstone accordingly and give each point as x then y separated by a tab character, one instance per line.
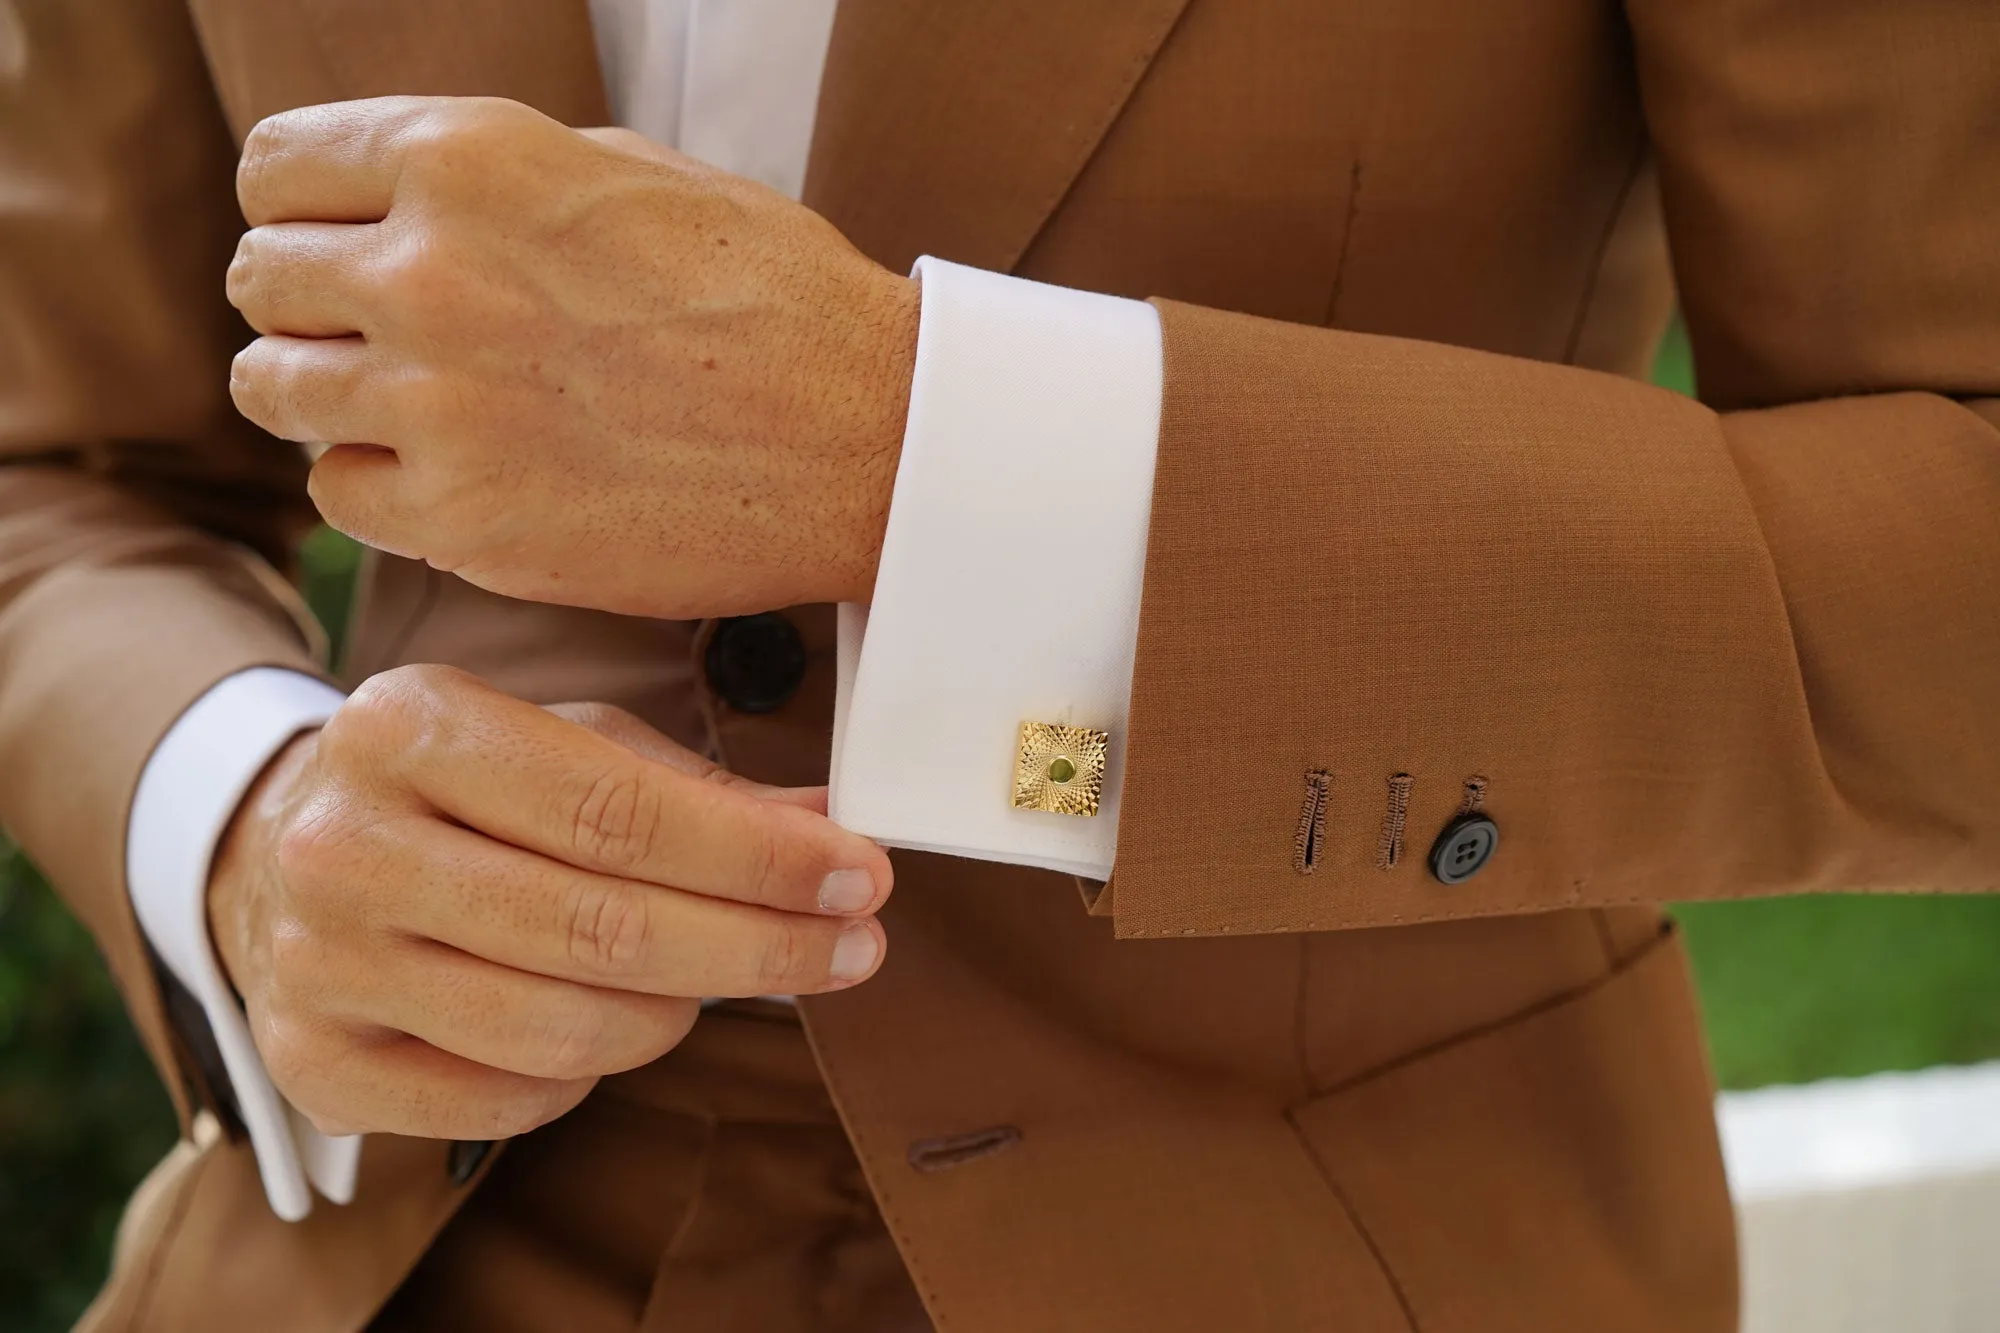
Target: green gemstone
1062	770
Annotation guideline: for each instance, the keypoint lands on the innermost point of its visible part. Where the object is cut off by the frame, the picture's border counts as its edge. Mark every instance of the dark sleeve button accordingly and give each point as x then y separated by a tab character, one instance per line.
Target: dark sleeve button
464	1158
1464	848
755	663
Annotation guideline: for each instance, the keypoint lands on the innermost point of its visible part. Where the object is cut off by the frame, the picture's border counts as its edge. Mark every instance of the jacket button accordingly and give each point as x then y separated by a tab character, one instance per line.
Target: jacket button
1464	848
755	663
464	1158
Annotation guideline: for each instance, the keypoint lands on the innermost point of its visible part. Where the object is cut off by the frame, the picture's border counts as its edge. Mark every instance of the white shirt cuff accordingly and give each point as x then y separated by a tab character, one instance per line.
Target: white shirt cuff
187	793
1011	570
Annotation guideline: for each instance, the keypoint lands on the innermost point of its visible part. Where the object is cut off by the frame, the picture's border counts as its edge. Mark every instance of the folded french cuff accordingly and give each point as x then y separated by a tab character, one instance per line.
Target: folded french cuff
1010	576
186	795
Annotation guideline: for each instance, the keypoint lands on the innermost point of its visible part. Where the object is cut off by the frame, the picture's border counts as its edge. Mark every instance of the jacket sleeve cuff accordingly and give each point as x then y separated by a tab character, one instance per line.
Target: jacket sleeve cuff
1011	570
187	792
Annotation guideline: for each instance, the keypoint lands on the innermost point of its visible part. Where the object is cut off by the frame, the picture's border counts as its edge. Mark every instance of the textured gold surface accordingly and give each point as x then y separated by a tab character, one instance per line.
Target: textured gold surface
1042	744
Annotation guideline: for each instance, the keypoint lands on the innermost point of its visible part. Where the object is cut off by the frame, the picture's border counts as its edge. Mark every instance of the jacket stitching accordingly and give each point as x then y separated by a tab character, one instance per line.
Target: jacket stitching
949	1150
1310	836
1475	796
1389	850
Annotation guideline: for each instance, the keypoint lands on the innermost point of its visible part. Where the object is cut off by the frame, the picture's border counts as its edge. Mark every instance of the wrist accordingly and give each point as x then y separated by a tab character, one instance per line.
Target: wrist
893	323
245	855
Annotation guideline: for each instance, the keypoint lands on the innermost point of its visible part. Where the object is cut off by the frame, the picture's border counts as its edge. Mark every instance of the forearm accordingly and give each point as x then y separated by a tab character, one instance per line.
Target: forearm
114	617
1684	654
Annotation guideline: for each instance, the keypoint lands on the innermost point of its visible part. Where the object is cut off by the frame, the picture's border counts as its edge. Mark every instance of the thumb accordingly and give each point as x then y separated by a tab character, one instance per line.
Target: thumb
648	742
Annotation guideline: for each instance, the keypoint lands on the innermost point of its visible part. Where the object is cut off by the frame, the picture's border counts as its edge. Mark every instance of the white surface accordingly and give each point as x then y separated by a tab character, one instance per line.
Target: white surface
732	82
1011	570
186	794
1869	1204
1860	1133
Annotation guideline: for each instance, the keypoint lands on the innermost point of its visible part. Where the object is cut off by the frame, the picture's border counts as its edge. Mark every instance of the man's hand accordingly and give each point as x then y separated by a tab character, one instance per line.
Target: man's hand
449	911
572	366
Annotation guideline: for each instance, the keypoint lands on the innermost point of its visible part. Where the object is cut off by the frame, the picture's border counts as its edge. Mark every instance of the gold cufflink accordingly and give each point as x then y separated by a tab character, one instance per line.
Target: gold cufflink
1059	769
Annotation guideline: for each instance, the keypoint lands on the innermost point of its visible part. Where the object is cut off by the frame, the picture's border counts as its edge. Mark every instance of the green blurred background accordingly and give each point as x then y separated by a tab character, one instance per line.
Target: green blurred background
1793	990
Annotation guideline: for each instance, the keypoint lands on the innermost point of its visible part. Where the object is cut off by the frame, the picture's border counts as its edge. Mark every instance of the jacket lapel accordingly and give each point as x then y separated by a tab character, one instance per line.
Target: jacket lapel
272	55
955	128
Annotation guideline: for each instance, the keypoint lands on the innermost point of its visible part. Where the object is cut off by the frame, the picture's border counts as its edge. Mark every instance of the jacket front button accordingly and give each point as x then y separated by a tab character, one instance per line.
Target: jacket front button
464	1158
755	663
1464	848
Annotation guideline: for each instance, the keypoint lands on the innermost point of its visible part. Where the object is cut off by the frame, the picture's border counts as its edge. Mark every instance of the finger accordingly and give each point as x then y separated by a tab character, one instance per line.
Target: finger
525	776
535	915
518	1021
636	735
338	162
378	1081
359	490
310	279
313	390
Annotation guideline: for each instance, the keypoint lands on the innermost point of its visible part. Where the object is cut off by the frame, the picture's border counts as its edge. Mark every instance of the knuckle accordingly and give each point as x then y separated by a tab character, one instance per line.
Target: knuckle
313	847
244	267
256	382
444	135
290	1050
422	281
263	144
608	927
424	679
667	1024
565	1043
626	141
394	710
295	961
287	389
617	820
677	1019
544	1102
761	851
594	715
344	736
787	961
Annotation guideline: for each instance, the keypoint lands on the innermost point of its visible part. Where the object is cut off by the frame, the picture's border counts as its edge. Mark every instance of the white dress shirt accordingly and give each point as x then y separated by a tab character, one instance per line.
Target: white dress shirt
1010	572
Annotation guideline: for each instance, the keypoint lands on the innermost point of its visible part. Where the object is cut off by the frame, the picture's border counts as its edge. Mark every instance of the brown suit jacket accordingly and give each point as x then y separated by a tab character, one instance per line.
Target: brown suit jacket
1414	515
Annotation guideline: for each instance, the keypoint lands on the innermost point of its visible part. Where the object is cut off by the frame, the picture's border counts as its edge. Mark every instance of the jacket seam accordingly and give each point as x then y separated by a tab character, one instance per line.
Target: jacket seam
1587	300
1346	241
142	1302
1354	1220
1128	84
891	1219
1478	1031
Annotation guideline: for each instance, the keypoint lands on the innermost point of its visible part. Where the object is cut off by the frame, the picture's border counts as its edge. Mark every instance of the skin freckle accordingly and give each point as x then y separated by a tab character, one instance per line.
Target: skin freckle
708	363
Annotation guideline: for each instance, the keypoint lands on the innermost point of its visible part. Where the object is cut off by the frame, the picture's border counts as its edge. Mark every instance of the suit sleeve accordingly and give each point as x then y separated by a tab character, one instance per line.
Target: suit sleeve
142	523
1675	650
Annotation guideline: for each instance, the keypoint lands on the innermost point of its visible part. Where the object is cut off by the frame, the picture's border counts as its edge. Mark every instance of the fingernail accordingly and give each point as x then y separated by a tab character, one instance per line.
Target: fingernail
854	954
846	891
